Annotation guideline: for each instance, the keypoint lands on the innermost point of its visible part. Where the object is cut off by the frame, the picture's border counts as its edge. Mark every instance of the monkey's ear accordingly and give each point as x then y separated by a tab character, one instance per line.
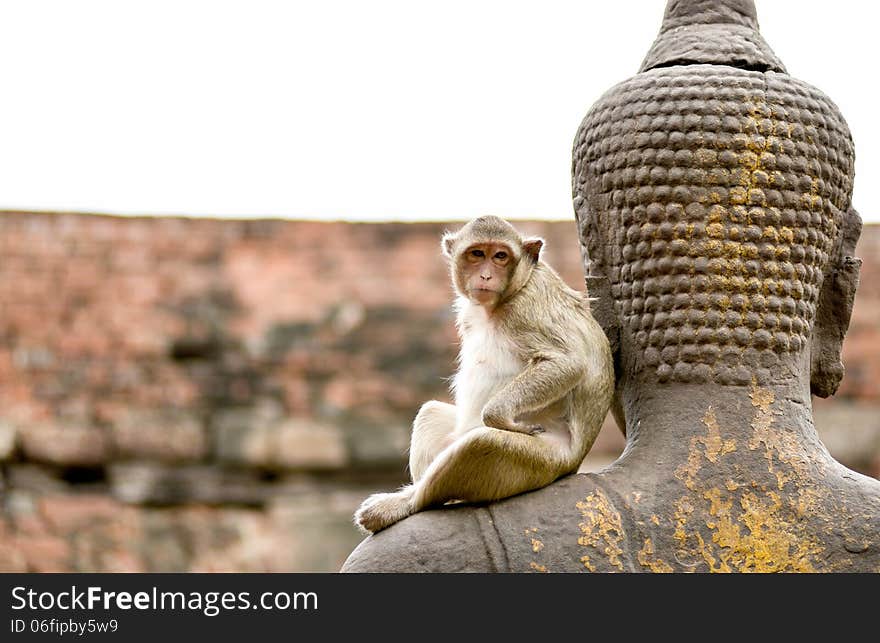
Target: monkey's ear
447	243
532	247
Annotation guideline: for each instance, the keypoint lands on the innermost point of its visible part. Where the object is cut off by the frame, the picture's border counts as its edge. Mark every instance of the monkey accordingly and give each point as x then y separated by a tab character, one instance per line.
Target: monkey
534	383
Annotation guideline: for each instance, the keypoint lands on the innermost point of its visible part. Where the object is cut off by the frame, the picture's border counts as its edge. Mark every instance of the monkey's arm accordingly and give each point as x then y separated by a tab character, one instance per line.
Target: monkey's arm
546	379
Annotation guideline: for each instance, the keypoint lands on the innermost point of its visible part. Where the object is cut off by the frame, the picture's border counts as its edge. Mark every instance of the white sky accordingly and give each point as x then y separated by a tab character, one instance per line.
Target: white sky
341	109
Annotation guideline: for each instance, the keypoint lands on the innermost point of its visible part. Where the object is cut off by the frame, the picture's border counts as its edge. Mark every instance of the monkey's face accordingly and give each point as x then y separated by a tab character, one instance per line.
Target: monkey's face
484	272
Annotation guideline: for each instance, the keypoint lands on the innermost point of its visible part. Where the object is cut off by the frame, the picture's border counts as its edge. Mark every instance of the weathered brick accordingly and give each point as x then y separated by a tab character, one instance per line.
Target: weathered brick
161	435
143	483
44	553
210	365
69	512
11	557
307	445
36	479
245	436
296	444
65	444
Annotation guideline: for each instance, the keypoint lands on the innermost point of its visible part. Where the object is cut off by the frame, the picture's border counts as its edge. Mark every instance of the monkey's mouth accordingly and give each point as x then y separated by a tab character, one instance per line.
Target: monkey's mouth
483	294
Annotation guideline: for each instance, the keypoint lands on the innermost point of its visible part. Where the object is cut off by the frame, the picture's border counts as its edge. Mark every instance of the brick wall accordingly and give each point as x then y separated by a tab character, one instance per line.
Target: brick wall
194	394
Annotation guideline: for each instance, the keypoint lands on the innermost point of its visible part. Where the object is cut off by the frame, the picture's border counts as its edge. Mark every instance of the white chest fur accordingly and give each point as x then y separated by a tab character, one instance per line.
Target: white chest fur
487	361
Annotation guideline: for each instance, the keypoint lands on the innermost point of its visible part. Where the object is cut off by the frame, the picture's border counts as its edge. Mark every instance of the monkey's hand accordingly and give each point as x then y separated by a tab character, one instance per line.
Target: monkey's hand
499	421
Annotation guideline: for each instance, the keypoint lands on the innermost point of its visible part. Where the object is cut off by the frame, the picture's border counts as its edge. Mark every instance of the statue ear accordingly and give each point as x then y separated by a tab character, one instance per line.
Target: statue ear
532	247
835	309
602	308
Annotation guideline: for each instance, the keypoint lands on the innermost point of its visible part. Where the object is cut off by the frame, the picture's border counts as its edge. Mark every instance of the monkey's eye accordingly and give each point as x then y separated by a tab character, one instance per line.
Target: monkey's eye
477	253
501	255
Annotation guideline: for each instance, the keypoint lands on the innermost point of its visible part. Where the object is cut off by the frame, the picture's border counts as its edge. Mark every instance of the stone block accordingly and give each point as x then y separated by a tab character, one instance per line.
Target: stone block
66	513
375	445
35	478
161	435
156	484
243	438
12	560
65	444
44	553
306	445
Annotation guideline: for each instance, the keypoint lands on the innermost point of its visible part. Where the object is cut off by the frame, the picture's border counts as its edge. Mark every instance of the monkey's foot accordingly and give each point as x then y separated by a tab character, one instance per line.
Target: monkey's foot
382	510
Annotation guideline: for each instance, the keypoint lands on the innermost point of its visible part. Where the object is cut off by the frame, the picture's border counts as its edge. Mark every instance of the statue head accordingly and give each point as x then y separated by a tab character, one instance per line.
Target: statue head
712	192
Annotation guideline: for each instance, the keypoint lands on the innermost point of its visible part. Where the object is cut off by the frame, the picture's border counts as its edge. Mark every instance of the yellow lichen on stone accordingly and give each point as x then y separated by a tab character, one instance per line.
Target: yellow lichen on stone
656	565
585	559
715	230
779	445
537	545
705	552
814	198
807	502
687	472
683	509
601	529
718	506
758	538
714	446
747	528
655	519
773	543
538	568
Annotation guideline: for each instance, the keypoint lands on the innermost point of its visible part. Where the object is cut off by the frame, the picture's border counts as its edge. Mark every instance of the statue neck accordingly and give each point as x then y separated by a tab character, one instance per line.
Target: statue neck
666	421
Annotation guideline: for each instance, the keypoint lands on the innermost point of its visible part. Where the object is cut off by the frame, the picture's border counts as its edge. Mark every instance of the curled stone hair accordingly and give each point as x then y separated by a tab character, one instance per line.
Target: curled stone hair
710	191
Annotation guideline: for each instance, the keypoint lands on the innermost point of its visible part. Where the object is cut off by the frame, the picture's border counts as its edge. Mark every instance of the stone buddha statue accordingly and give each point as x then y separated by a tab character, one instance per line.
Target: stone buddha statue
712	193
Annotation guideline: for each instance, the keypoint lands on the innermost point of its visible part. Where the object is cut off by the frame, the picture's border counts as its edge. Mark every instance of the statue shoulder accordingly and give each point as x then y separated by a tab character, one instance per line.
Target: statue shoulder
572	525
448	539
